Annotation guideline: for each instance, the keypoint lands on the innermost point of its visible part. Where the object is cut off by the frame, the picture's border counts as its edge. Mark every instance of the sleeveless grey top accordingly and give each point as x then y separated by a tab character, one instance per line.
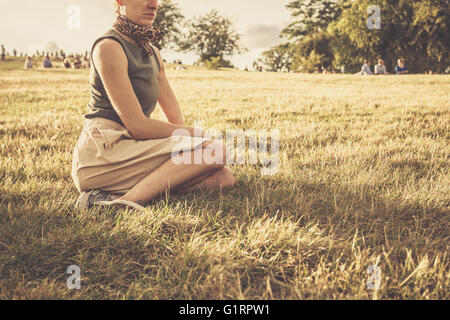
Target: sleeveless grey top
143	71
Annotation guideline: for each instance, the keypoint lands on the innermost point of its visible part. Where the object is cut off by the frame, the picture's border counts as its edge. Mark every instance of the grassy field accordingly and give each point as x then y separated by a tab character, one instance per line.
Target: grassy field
363	180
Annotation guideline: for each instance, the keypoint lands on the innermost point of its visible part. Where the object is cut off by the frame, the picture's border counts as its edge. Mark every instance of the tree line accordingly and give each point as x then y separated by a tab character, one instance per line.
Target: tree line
335	34
324	34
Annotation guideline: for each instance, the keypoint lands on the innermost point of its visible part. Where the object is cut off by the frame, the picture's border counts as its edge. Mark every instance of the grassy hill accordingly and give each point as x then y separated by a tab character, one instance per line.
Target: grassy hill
363	180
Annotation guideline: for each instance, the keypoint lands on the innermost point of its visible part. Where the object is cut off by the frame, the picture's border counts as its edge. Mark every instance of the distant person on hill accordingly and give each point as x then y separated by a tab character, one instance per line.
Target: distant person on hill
77	62
380	68
365	69
86	63
67	64
28	63
3	53
47	63
401	68
124	158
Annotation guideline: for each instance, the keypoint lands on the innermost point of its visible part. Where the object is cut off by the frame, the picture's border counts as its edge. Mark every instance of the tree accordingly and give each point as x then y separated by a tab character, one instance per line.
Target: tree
310	63
403	33
278	58
432	22
169	19
337	33
311	16
212	36
213	64
313	52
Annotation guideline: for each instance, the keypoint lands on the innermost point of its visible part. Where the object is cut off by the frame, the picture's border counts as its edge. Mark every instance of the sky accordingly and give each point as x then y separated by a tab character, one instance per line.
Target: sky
30	25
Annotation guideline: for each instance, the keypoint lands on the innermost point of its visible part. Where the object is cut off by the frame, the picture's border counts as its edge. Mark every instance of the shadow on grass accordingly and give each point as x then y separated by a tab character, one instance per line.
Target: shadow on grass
181	246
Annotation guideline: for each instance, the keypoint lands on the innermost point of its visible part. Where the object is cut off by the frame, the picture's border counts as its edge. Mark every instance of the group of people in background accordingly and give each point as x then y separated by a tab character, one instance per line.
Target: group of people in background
69	62
380	68
78	61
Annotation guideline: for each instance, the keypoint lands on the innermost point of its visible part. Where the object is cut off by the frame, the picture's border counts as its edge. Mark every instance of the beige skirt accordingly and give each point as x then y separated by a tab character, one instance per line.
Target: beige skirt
107	157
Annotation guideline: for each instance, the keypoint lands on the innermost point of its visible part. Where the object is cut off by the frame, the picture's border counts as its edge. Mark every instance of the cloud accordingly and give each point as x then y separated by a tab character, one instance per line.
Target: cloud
261	36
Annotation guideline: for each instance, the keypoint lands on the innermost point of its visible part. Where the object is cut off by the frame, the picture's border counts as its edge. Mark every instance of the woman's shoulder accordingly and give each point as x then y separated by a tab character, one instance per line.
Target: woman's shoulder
107	45
109	39
109	51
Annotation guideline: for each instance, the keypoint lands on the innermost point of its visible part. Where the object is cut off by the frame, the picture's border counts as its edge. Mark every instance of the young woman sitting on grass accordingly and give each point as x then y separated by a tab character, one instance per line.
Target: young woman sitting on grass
123	158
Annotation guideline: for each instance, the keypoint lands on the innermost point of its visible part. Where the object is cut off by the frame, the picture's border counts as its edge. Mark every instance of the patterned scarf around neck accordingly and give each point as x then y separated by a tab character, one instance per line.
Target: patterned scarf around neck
143	35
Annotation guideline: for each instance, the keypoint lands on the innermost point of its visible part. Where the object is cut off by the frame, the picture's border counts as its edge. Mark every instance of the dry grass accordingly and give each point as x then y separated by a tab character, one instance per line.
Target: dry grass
363	180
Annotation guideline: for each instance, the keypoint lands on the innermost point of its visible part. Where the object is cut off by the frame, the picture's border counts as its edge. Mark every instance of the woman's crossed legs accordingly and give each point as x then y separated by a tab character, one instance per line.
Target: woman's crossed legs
211	174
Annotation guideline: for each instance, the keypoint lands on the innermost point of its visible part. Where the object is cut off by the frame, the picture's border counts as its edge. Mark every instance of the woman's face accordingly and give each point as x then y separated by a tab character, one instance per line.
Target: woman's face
142	12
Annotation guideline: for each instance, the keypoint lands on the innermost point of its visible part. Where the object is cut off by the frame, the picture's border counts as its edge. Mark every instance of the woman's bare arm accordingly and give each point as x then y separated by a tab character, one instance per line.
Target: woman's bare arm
167	100
112	65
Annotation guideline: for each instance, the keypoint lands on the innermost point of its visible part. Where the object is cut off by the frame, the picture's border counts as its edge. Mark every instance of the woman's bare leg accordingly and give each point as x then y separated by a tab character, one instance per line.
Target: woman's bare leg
215	180
170	175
